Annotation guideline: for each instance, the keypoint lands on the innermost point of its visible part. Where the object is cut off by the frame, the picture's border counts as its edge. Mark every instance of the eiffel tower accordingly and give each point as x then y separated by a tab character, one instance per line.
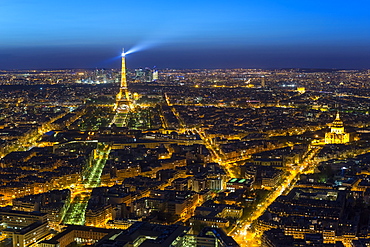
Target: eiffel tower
123	102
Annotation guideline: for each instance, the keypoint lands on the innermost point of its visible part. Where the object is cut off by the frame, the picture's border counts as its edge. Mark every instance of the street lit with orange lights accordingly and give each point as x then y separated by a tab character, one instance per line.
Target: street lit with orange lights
76	212
243	233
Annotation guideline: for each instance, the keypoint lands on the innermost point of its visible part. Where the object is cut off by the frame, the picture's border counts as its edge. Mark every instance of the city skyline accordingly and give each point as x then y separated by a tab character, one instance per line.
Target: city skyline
236	153
264	34
234	124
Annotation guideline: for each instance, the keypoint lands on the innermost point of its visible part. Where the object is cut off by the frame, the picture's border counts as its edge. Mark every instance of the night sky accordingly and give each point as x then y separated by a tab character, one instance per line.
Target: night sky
36	34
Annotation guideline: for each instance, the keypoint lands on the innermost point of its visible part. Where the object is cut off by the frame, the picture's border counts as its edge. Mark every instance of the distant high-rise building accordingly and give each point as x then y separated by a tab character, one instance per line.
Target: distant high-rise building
146	75
263	83
155	75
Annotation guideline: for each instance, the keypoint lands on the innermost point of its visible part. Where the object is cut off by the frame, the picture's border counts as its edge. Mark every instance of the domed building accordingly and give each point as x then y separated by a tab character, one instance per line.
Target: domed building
337	135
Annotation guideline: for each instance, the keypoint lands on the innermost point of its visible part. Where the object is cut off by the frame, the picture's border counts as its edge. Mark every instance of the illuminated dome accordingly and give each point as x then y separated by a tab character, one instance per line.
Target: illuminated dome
338	123
337	135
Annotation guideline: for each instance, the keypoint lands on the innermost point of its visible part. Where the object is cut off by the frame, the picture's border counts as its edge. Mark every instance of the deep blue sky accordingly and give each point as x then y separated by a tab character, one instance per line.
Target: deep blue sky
185	34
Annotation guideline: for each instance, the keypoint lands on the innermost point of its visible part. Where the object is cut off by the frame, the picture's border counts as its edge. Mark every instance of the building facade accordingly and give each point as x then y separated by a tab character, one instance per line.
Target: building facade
337	134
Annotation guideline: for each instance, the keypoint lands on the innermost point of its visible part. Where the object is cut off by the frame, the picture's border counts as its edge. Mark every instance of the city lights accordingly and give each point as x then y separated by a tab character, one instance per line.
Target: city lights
221	123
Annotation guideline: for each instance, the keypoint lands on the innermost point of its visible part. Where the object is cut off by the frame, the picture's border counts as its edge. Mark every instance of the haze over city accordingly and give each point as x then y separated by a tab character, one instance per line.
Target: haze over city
192	34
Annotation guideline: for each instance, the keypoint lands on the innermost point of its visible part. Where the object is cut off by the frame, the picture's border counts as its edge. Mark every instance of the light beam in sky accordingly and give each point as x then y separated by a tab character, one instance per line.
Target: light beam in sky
143	46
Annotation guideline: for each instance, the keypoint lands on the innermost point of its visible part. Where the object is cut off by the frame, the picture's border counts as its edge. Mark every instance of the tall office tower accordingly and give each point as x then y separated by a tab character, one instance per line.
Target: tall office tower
144	75
263	83
155	74
123	103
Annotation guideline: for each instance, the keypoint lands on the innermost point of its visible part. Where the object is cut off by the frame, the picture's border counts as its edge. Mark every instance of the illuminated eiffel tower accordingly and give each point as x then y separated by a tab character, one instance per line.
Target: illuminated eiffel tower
123	103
